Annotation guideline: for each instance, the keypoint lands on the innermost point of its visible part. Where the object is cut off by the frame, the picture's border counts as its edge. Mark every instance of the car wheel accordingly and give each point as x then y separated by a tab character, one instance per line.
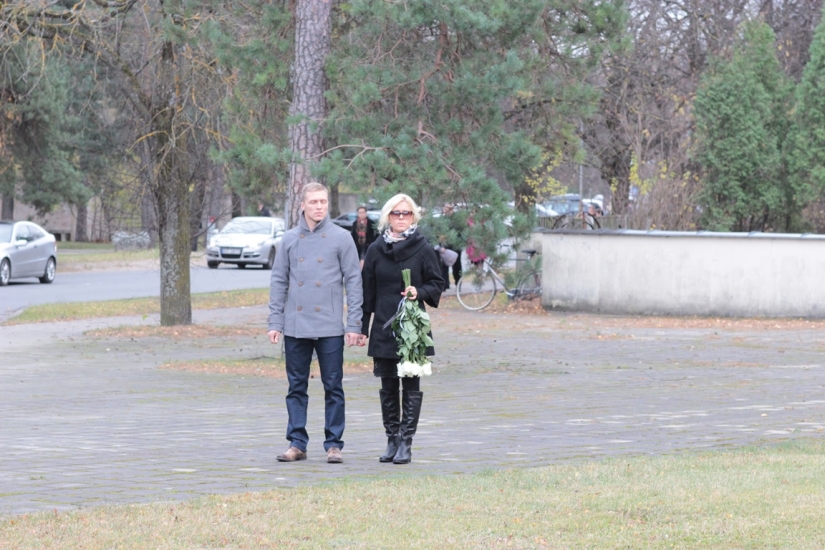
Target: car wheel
241	266
5	272
271	261
212	265
48	275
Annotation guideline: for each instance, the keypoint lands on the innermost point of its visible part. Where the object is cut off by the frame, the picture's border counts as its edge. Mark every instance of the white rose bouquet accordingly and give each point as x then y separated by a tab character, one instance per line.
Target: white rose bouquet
411	327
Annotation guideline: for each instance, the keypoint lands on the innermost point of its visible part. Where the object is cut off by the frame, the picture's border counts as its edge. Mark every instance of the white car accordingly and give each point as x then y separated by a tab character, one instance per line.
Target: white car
26	250
246	240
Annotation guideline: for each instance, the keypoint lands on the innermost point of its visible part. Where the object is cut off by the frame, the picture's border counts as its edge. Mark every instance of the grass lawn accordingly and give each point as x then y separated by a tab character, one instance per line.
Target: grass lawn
70	311
748	498
90	258
75	245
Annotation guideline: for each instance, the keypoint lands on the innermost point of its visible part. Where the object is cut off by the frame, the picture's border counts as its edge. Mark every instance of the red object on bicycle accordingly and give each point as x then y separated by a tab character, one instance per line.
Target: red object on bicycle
474	255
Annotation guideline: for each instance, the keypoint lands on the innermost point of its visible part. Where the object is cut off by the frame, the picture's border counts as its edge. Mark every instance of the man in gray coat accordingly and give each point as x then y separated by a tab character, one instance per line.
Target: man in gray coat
315	261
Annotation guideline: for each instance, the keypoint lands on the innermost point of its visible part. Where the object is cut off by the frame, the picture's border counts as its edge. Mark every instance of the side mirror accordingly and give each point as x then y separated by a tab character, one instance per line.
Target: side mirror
21	242
279	233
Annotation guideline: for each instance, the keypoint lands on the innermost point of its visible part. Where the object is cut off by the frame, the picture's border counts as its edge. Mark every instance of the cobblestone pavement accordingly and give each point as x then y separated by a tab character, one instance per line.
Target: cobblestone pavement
91	421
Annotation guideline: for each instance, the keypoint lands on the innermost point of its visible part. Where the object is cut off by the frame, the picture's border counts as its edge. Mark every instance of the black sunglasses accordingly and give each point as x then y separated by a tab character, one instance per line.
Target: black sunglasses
400	213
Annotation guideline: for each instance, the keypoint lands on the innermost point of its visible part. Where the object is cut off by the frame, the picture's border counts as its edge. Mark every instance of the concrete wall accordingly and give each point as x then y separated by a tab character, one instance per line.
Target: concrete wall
671	273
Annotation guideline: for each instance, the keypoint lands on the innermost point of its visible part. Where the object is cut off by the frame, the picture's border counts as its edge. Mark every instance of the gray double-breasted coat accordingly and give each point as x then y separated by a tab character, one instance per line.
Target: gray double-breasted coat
306	289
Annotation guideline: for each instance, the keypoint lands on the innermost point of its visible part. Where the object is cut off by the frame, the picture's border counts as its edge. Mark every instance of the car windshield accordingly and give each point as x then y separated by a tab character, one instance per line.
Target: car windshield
247	227
563	207
5	233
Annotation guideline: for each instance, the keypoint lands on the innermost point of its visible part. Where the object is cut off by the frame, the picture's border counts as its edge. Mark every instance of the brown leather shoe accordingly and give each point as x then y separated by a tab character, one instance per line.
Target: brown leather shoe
334	455
291	455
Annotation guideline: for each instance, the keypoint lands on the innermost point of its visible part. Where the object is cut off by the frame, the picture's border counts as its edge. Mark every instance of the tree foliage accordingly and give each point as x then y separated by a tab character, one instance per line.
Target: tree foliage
257	52
165	78
806	152
458	101
37	126
741	113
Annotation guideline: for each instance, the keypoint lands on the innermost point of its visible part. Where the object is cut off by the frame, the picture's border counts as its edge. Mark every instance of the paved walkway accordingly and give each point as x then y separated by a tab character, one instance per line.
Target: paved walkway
88	421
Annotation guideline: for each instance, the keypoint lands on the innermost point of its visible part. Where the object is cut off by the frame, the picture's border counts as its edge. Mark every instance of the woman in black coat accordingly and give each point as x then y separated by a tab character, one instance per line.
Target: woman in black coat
399	246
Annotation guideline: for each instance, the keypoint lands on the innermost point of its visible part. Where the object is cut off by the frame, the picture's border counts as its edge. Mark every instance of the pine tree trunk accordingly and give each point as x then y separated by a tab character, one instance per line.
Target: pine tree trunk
172	195
236	205
616	170
80	234
334	211
312	43
196	213
7	208
148	208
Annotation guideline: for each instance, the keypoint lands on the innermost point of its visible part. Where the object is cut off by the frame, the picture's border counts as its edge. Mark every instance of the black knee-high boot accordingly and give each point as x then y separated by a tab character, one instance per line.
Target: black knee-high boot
409	423
391	414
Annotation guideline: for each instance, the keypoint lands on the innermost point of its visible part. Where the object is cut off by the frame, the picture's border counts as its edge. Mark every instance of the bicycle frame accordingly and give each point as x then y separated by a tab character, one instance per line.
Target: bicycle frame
510	292
499	280
479	286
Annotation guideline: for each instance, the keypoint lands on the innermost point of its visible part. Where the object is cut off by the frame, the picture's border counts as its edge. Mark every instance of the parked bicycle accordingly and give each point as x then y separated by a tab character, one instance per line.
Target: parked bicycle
577	220
479	285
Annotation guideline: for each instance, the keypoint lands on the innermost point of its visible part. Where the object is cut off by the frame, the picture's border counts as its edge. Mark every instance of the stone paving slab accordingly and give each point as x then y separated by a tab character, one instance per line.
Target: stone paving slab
87	422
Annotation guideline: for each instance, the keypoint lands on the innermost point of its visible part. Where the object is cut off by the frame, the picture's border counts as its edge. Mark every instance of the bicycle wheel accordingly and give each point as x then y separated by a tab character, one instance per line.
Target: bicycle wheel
476	289
573	220
529	286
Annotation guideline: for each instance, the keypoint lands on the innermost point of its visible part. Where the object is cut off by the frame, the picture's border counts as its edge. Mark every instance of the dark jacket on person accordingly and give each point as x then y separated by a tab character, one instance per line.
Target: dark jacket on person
383	285
372	234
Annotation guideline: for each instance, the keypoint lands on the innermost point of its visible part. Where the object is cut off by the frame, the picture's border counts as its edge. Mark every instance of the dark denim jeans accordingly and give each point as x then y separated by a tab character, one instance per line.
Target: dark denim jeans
330	353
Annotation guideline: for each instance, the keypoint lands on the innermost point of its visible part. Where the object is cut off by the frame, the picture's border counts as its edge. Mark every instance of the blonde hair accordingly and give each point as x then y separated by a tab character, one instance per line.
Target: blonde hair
312	187
384	219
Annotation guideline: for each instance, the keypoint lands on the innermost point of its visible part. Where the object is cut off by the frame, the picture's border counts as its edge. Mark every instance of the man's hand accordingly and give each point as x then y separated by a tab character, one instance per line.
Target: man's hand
274	335
352	339
362	340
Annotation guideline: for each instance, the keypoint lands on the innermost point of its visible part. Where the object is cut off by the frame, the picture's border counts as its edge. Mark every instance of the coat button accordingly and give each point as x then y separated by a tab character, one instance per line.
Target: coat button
302	235
317	284
317	309
323	235
300	284
320	260
300	308
300	259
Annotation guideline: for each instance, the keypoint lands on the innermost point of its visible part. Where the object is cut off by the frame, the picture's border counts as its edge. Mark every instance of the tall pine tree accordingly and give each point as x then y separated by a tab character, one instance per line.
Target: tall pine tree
457	101
741	114
806	151
38	163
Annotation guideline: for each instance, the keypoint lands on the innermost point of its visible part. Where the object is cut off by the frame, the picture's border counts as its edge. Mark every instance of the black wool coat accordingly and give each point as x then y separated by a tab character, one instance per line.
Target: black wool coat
383	285
372	234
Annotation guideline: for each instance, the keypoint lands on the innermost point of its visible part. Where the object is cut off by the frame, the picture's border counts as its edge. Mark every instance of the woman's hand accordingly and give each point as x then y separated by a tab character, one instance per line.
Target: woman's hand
410	292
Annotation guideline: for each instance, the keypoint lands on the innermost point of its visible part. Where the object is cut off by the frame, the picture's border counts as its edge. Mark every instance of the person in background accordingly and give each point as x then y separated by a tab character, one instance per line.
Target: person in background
363	233
591	210
315	261
263	210
400	246
443	245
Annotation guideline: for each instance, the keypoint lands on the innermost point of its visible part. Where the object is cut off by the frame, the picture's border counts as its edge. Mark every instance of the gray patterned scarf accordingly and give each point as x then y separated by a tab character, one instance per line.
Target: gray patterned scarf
390	237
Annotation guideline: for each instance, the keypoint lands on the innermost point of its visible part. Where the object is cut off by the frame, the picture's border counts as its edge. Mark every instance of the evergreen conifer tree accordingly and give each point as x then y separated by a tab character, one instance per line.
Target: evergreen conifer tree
457	101
37	148
257	106
741	121
806	150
